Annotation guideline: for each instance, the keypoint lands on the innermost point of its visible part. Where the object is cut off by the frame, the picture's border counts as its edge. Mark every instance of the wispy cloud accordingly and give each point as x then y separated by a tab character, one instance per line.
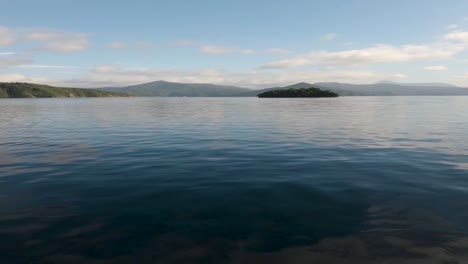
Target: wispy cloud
42	66
6	36
247	51
455	43
58	40
40	40
106	69
117	45
47	39
219	50
457	36
7	53
436	68
133	45
452	26
12	59
460	80
111	75
277	51
15	77
216	50
329	36
184	43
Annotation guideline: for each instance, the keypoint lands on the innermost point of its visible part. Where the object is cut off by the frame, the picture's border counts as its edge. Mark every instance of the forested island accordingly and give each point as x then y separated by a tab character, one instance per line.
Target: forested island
298	93
31	90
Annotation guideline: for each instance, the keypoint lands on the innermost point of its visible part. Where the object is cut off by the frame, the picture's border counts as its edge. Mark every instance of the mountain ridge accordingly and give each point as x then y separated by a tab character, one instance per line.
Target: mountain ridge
172	89
163	88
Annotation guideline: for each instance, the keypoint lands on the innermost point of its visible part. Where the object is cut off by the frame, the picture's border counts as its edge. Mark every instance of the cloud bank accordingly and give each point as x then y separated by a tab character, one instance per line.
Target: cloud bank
454	43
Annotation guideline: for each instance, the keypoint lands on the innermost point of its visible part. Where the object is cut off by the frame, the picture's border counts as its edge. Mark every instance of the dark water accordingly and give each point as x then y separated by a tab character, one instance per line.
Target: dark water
200	180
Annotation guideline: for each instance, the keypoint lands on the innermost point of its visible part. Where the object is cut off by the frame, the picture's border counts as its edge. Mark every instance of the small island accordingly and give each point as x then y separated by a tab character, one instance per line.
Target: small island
298	93
32	90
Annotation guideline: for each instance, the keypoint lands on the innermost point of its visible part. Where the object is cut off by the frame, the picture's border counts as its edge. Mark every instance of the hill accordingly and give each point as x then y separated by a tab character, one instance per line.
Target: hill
162	88
31	90
298	93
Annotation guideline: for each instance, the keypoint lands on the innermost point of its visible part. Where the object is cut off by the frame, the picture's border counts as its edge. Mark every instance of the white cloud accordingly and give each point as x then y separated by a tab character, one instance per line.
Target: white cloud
118	45
143	45
379	54
277	51
329	36
48	39
257	79
184	43
7	53
436	68
136	45
14	77
106	69
219	50
42	39
452	26
12	59
247	51
216	50
109	75
58	40
288	63
6	36
460	80
42	66
457	36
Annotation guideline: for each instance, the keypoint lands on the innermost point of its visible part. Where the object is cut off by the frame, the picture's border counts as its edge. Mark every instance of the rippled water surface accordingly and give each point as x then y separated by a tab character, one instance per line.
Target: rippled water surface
234	180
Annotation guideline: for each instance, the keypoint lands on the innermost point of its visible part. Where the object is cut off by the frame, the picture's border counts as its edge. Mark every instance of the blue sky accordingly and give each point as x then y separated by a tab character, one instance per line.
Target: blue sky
247	43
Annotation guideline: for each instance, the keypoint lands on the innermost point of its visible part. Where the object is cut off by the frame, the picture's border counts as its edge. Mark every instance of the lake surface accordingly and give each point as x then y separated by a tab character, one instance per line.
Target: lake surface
234	180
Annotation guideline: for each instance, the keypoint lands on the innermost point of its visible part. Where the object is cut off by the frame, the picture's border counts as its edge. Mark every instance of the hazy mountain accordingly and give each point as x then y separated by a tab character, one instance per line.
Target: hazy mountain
391	89
377	89
420	84
162	88
31	90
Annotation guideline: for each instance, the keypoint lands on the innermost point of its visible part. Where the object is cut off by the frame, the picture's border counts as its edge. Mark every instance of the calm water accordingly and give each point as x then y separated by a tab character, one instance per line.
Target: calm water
235	180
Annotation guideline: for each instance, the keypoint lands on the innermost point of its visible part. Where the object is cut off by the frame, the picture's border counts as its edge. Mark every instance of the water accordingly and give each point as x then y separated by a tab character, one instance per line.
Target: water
234	180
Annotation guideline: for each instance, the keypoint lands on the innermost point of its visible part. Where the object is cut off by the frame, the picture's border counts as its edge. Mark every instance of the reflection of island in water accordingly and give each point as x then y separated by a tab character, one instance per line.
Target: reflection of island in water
298	93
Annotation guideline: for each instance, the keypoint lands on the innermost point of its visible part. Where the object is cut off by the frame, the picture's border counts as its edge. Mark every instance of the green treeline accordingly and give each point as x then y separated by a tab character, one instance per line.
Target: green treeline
299	92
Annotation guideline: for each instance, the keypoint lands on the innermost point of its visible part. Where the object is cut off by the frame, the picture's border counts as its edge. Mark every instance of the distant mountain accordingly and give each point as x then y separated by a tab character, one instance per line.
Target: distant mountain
162	88
391	89
419	84
377	89
31	90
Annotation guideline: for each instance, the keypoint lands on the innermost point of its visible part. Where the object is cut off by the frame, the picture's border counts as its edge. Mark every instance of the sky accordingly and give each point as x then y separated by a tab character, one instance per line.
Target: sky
255	44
